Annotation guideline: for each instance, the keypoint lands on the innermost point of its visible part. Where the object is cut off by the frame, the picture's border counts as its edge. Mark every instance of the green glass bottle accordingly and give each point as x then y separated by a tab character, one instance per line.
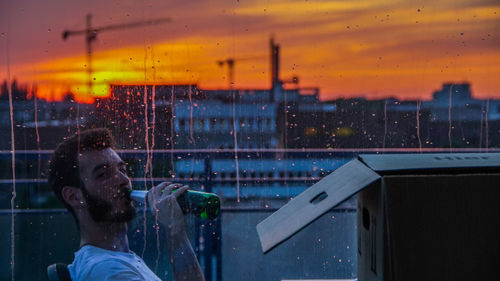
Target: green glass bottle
201	204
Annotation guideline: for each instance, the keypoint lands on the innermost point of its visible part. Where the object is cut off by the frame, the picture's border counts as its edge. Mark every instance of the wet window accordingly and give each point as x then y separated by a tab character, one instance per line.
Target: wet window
250	101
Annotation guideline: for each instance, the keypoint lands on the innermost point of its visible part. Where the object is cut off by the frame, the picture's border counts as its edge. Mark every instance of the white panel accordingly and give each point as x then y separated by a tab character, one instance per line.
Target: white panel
296	214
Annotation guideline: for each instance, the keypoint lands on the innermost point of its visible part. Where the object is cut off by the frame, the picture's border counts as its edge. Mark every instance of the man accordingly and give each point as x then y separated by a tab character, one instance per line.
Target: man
91	180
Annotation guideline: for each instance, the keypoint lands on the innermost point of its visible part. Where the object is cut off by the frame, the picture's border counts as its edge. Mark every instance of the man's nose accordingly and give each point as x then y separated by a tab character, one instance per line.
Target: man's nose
122	177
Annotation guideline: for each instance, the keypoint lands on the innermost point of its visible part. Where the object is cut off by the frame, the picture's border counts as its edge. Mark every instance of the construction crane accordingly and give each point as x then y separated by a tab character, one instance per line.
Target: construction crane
91	35
230	67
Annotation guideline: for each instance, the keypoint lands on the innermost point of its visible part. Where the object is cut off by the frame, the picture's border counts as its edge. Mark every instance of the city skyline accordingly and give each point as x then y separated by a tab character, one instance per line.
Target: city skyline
345	48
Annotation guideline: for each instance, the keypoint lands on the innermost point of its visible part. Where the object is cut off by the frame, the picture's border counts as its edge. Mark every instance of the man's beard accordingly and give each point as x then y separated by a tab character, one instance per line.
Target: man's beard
102	211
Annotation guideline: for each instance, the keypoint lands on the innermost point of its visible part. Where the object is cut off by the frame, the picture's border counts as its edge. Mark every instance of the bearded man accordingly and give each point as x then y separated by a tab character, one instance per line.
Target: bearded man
91	180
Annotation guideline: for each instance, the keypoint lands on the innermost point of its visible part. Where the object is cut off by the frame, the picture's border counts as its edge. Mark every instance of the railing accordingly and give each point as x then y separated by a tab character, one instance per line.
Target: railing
227	248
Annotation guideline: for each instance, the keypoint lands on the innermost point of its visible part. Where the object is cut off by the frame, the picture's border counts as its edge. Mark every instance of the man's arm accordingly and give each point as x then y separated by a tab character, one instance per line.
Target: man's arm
183	259
181	254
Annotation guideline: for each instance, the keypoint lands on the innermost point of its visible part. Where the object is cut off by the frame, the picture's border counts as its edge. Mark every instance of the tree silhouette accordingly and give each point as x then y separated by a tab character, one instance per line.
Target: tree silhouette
19	93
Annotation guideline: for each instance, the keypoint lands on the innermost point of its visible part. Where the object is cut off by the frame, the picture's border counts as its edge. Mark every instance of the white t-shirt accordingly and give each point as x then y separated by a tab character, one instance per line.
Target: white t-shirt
94	263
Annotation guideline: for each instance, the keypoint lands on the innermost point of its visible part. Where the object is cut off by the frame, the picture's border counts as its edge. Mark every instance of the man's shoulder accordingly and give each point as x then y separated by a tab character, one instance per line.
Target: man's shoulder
92	263
90	255
113	269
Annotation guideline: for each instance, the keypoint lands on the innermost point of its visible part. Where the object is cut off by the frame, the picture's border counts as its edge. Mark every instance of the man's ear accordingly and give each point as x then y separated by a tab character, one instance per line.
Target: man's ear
73	196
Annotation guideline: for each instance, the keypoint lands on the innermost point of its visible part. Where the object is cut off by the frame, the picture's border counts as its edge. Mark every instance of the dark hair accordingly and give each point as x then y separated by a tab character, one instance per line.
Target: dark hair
64	167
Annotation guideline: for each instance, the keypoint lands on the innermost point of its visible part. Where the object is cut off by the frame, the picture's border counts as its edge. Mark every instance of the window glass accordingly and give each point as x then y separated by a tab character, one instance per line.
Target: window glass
253	101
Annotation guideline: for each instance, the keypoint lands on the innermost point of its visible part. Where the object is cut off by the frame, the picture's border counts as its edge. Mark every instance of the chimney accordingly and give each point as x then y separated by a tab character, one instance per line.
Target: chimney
275	63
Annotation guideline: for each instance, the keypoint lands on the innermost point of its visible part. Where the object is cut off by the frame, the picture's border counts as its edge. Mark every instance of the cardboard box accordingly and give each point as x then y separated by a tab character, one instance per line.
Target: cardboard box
420	216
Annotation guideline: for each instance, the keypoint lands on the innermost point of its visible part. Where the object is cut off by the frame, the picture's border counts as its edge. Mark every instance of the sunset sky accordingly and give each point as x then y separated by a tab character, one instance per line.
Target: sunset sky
375	49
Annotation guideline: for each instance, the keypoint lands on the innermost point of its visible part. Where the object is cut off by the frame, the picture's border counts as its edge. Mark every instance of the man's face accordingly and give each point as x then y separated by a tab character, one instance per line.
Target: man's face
106	186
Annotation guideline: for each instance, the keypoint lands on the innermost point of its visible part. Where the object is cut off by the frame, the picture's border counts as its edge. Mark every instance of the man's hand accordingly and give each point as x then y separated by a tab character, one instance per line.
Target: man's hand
163	203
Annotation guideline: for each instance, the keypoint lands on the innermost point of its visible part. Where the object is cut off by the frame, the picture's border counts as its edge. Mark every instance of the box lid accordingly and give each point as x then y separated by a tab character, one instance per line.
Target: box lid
431	161
314	202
